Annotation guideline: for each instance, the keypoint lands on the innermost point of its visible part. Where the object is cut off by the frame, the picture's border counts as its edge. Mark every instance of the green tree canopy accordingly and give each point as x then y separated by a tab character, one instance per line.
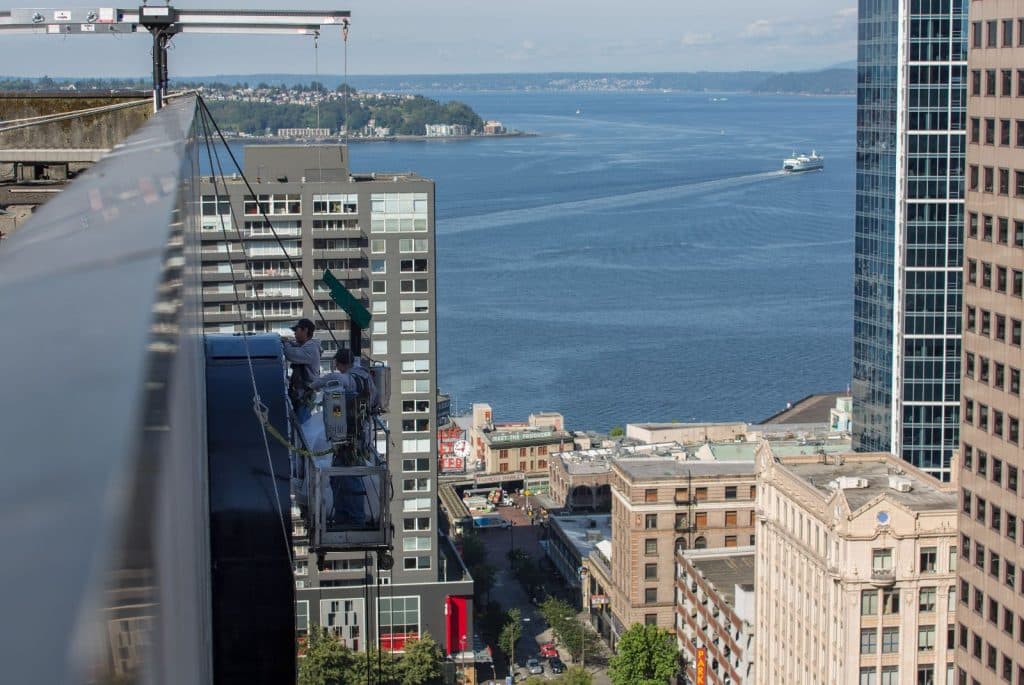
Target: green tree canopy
473	549
575	676
510	634
647	655
484	576
616	432
327	661
573	635
421	662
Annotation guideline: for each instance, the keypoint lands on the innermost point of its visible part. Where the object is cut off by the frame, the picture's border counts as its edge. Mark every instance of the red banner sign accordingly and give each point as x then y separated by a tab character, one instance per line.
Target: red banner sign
450	434
452	449
452	464
702	666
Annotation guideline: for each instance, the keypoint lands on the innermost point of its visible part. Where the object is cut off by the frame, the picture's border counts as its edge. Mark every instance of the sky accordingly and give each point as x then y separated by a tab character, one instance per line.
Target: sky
473	36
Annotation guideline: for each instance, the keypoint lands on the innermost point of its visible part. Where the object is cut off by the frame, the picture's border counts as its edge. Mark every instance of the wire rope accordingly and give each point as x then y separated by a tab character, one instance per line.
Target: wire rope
257	401
270	225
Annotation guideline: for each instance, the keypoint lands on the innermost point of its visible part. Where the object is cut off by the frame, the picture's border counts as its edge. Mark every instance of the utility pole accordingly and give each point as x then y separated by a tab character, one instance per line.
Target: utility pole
164	22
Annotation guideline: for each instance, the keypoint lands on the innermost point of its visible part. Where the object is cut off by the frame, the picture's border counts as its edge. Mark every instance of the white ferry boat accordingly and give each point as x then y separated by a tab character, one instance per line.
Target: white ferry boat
811	162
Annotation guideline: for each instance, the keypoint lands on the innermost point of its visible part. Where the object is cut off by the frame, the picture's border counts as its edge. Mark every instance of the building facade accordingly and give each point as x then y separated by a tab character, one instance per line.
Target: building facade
855	571
911	99
715	611
375	233
516	447
991	572
660	504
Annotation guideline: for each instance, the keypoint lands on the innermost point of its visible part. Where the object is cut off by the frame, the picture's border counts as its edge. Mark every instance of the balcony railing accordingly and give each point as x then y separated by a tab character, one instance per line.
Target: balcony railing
883	576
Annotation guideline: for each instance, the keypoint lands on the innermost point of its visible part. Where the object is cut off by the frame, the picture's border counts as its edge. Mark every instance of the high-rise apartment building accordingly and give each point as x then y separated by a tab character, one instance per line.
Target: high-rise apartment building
991	575
375	232
855	571
911	97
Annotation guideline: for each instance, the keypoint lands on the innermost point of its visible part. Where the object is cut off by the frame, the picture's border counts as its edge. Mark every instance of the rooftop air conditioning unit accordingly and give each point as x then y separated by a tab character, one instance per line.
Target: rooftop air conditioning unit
900	484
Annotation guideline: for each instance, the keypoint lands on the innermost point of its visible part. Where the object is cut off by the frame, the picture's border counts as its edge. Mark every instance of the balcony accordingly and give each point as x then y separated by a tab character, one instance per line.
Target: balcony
274	252
883	577
337	252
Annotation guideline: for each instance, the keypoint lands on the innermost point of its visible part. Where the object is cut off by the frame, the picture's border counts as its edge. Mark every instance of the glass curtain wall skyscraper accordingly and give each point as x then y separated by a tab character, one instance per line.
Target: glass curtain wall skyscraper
911	95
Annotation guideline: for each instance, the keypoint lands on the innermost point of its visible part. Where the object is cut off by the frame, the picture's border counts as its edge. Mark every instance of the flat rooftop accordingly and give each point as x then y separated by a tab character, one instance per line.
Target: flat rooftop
662	425
666	468
811	409
583	462
584	531
926	493
724	572
794	448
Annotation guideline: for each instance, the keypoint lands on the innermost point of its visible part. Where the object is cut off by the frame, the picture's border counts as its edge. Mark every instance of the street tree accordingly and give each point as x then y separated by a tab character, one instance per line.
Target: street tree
509	636
576	676
421	662
473	550
647	655
326	661
382	666
573	634
483	579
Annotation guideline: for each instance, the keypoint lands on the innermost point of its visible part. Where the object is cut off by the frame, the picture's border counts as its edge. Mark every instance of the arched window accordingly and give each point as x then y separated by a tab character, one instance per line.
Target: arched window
681	543
700	543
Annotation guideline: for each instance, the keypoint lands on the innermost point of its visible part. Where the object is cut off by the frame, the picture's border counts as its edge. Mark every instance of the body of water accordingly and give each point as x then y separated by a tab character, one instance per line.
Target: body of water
642	260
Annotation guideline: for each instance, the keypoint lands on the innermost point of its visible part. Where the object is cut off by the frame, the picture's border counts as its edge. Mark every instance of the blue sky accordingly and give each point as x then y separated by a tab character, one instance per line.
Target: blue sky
464	36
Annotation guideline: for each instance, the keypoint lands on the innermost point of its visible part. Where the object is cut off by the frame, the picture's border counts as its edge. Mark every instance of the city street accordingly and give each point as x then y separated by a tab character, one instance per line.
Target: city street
510	594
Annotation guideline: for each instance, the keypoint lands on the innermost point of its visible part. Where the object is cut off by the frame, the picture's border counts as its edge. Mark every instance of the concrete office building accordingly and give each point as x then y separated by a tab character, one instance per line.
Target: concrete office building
991	572
911	99
855	571
375	232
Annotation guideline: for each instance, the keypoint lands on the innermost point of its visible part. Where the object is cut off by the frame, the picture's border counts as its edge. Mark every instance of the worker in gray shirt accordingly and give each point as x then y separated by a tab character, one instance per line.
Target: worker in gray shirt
341	374
304	355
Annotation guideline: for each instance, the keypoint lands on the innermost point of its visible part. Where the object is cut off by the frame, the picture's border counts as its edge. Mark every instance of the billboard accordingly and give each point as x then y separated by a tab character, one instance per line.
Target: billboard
452	449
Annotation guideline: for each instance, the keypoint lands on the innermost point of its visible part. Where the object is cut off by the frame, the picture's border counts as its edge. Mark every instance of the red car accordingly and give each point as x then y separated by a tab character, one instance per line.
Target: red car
548	650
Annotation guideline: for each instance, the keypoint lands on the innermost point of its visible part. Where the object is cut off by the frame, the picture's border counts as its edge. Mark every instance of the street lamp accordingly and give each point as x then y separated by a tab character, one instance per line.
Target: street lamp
511	537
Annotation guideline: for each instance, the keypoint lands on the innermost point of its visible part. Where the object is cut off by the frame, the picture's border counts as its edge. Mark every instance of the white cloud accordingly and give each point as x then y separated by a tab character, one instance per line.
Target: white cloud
847	13
695	39
760	28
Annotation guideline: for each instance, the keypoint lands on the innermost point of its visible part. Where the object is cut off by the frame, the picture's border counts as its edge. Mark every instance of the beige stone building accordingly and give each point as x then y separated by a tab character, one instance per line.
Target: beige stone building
660	504
991	573
856	571
516	447
580	480
685	433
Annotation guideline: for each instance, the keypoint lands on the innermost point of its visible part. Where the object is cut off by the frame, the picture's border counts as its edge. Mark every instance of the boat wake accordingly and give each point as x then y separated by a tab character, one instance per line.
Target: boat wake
512	217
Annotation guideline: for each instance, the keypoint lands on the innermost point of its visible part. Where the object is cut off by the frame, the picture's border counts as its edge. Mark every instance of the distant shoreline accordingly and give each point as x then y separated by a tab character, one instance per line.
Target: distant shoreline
379	139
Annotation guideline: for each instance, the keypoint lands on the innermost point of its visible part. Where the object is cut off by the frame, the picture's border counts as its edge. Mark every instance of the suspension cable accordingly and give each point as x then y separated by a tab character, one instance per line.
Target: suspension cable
257	401
270	225
344	92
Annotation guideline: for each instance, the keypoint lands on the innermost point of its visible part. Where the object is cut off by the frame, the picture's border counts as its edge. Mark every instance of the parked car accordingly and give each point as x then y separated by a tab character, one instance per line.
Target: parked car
549	650
557	665
534	667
